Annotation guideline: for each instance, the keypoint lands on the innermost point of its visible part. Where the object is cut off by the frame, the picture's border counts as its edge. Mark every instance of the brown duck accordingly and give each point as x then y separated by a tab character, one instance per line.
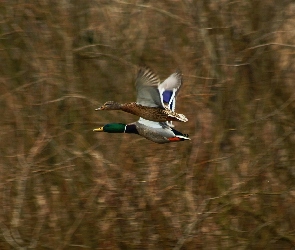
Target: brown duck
150	103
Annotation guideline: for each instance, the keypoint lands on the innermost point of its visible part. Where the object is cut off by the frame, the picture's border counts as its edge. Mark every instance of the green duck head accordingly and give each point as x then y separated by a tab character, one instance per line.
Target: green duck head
112	128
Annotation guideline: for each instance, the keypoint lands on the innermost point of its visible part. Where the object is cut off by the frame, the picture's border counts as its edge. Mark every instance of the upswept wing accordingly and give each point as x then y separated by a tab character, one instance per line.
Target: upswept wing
170	88
147	83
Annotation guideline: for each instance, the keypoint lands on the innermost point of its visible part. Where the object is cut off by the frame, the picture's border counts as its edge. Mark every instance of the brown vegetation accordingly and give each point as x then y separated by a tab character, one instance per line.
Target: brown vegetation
64	187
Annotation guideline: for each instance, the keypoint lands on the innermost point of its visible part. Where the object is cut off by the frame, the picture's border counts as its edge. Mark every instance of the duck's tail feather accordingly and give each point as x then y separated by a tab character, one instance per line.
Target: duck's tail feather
176	117
178	138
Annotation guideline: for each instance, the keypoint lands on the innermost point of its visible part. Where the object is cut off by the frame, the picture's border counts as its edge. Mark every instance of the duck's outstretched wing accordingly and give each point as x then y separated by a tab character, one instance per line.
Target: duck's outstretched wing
147	83
170	88
159	132
154	125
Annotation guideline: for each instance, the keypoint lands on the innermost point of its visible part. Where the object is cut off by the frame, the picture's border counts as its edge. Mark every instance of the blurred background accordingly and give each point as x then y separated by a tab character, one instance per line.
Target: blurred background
62	186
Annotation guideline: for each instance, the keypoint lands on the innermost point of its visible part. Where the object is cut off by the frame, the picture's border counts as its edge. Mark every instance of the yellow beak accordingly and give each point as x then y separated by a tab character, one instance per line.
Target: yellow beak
98	129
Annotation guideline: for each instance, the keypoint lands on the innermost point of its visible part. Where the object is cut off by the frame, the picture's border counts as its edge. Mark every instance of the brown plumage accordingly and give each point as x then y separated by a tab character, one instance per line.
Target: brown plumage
156	114
149	104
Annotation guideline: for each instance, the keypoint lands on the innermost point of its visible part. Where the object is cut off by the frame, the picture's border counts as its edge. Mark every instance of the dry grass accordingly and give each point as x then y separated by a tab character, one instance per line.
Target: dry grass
64	187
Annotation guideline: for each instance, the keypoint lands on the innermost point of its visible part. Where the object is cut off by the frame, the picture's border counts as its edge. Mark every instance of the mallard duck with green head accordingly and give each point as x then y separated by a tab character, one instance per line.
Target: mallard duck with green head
150	103
153	131
159	132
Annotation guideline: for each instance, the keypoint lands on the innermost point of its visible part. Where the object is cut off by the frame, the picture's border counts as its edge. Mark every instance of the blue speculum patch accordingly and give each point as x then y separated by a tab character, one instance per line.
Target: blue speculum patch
167	95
